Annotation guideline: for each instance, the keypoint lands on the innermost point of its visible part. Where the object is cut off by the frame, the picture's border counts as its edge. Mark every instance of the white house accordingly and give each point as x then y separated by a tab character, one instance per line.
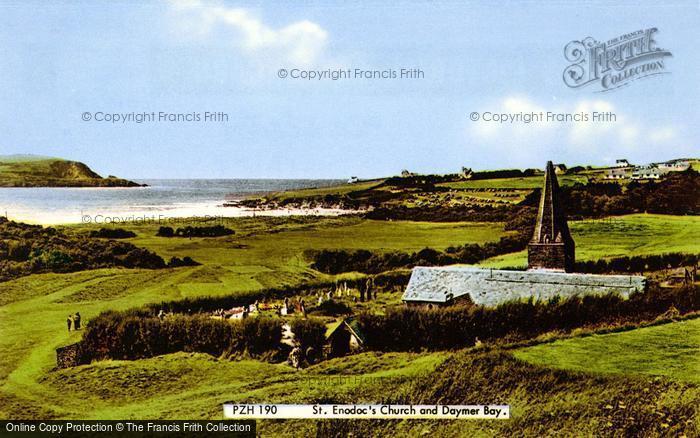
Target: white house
651	171
617	173
674	165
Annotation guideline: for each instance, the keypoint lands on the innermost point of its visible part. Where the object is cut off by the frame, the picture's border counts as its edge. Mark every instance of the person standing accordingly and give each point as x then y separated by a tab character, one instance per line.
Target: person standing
69	320
368	288
76	321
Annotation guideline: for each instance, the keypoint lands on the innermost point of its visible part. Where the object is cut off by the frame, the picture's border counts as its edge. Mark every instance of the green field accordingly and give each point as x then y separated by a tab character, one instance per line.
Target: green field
255	258
670	350
342	189
264	252
637	234
527	182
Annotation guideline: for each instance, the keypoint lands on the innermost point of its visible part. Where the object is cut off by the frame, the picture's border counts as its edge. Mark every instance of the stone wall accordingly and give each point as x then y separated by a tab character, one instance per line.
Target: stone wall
68	356
491	287
558	256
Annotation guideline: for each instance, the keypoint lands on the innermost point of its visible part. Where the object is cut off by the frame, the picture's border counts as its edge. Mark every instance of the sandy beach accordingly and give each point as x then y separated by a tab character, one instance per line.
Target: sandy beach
163	201
164	215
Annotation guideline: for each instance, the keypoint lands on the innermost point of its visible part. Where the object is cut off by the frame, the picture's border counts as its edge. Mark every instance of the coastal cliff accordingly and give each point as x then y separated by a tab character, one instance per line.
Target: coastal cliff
33	171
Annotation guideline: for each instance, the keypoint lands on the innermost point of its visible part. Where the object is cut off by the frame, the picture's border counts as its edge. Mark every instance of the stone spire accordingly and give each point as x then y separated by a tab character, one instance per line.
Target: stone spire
551	246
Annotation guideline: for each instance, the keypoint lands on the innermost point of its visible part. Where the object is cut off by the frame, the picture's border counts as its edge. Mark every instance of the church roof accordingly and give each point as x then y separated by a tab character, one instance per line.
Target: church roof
490	287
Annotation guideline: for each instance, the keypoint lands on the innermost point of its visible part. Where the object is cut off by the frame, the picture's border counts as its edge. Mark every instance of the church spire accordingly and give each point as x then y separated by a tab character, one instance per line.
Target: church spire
551	246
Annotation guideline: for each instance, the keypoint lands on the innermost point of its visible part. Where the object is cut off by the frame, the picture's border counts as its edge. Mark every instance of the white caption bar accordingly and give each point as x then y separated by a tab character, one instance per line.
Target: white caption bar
451	412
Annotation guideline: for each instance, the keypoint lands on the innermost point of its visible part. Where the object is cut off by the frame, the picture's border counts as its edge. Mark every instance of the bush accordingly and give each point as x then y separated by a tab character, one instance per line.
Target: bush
309	332
414	329
176	262
134	335
442	213
338	261
213	231
165	232
112	233
332	308
29	249
638	264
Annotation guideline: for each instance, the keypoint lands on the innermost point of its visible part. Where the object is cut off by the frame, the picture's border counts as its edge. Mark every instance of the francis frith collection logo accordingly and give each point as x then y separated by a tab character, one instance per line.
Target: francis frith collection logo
614	63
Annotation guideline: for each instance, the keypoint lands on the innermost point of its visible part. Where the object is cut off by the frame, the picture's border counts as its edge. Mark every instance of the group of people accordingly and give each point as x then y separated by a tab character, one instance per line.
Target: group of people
74	321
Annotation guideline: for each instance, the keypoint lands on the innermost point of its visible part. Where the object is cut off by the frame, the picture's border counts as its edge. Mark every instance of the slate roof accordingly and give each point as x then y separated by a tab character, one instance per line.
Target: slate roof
491	287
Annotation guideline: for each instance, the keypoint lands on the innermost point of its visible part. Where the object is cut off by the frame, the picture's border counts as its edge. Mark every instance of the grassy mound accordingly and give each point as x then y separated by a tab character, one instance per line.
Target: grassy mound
543	402
671	350
28	171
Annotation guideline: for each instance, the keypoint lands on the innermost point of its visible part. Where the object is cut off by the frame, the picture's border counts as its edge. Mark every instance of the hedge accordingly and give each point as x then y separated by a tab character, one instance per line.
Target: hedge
415	329
132	335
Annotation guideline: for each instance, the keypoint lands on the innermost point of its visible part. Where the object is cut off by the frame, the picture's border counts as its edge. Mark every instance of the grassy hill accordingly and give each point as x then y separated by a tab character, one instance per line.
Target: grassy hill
37	171
634	234
496	195
671	350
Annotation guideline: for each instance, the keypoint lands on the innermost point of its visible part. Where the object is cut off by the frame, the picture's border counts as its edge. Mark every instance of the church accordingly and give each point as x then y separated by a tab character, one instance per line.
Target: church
550	257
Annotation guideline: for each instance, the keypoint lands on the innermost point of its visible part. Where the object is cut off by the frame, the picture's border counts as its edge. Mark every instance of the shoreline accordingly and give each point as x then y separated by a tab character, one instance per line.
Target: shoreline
163	215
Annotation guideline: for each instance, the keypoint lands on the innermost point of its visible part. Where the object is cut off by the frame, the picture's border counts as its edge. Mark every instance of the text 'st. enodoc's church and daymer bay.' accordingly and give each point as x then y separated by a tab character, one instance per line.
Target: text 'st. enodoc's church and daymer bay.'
550	254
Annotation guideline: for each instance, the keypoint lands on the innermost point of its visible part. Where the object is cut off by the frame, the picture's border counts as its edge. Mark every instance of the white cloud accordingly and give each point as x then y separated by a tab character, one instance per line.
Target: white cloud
592	142
583	133
300	43
663	134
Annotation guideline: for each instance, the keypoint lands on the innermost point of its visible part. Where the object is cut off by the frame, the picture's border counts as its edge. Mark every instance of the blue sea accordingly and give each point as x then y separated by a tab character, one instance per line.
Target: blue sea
168	198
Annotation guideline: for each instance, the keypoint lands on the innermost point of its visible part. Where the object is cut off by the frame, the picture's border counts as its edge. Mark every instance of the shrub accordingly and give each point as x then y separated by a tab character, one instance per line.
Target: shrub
27	249
112	233
309	332
337	261
176	262
165	232
133	335
637	264
189	231
413	329
332	308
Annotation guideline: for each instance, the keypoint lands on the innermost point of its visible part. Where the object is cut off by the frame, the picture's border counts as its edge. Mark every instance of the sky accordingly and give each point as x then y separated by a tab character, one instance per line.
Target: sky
61	60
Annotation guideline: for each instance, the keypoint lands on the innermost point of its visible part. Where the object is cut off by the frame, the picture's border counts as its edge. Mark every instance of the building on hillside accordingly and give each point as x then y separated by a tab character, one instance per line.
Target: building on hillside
551	258
622	163
659	170
618	173
353	180
650	171
560	168
344	337
678	165
467	173
405	173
